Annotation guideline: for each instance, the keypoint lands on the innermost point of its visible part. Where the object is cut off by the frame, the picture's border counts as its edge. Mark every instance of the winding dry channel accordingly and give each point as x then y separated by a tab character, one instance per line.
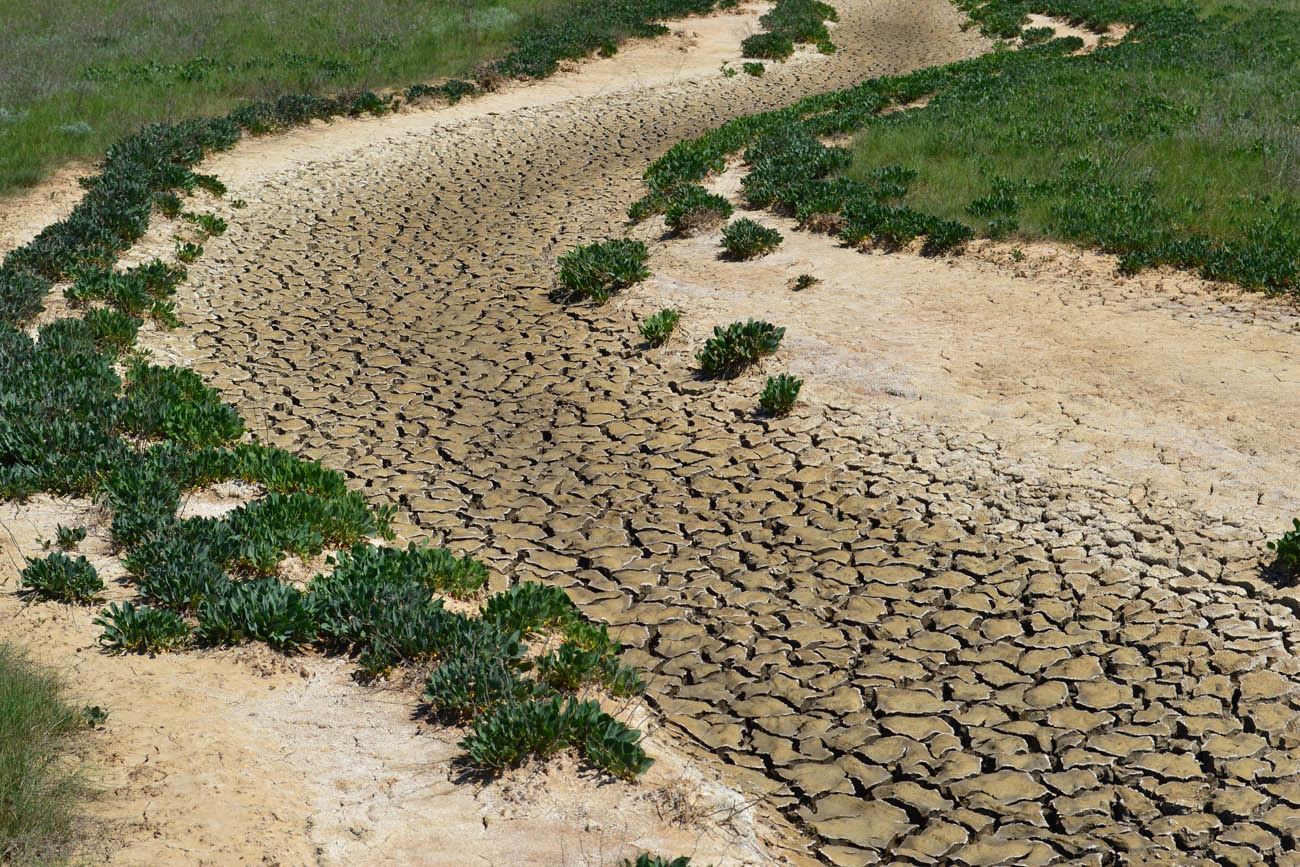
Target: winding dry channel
920	656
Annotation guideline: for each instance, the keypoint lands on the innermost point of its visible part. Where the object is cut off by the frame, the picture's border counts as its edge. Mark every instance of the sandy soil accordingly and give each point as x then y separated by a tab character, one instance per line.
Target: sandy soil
245	756
1161	378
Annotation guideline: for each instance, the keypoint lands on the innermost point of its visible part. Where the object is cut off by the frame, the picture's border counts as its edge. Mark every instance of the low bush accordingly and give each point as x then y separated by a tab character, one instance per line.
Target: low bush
647	860
692	208
1287	549
514	732
768	46
597	271
528	607
657	327
779	394
730	350
61	579
754	69
746	239
129	628
470	684
262	609
805	281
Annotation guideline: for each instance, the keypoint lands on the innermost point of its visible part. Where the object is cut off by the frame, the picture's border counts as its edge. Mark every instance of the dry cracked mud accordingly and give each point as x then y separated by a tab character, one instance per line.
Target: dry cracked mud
920	653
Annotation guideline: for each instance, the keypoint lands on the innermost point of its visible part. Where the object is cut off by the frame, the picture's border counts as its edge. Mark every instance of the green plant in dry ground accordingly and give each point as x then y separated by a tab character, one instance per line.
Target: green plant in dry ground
60	578
805	281
40	787
730	350
791	22
691	208
597	271
746	239
69	537
657	327
779	394
1287	549
131	628
647	860
754	69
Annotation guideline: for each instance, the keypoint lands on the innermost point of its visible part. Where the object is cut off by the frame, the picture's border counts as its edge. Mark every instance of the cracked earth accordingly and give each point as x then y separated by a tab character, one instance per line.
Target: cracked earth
920	635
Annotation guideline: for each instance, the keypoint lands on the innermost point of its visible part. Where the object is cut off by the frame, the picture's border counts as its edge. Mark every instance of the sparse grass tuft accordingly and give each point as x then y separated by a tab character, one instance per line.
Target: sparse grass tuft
39	783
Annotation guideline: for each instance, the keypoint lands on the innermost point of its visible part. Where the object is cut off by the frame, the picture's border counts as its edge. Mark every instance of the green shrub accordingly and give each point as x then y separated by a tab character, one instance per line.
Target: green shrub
754	69
805	281
60	578
263	609
40	781
1287	549
173	403
767	46
1035	35
69	537
129	628
692	208
513	732
597	271
647	860
188	251
730	350
745	239
529	607
657	327
210	224
471	683
779	394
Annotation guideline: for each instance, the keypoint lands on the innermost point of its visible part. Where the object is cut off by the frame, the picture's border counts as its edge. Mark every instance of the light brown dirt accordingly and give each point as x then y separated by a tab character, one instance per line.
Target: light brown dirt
246	756
1163	379
925	636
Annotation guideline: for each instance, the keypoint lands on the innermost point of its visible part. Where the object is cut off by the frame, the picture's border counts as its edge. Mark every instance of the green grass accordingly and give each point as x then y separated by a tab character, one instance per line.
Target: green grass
1185	137
39	782
74	78
1177	146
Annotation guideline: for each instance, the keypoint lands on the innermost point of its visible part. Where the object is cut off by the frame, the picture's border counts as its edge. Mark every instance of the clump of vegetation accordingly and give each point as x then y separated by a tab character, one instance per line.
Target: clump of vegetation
595	272
514	732
131	628
188	251
791	22
779	394
453	91
40	786
1035	35
727	70
770	46
657	327
805	281
61	579
693	208
1287	549
645	859
746	239
730	350
69	537
754	69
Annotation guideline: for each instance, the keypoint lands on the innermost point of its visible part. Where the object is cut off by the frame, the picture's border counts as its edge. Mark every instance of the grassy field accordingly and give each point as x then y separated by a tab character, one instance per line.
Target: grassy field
76	75
1159	148
39	784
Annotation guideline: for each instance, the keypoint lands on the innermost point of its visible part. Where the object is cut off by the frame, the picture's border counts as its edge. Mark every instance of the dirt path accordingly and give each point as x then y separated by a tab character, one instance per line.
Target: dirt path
923	643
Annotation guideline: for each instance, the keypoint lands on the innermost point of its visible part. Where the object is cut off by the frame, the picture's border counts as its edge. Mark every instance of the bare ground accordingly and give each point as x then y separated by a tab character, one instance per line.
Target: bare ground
992	595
